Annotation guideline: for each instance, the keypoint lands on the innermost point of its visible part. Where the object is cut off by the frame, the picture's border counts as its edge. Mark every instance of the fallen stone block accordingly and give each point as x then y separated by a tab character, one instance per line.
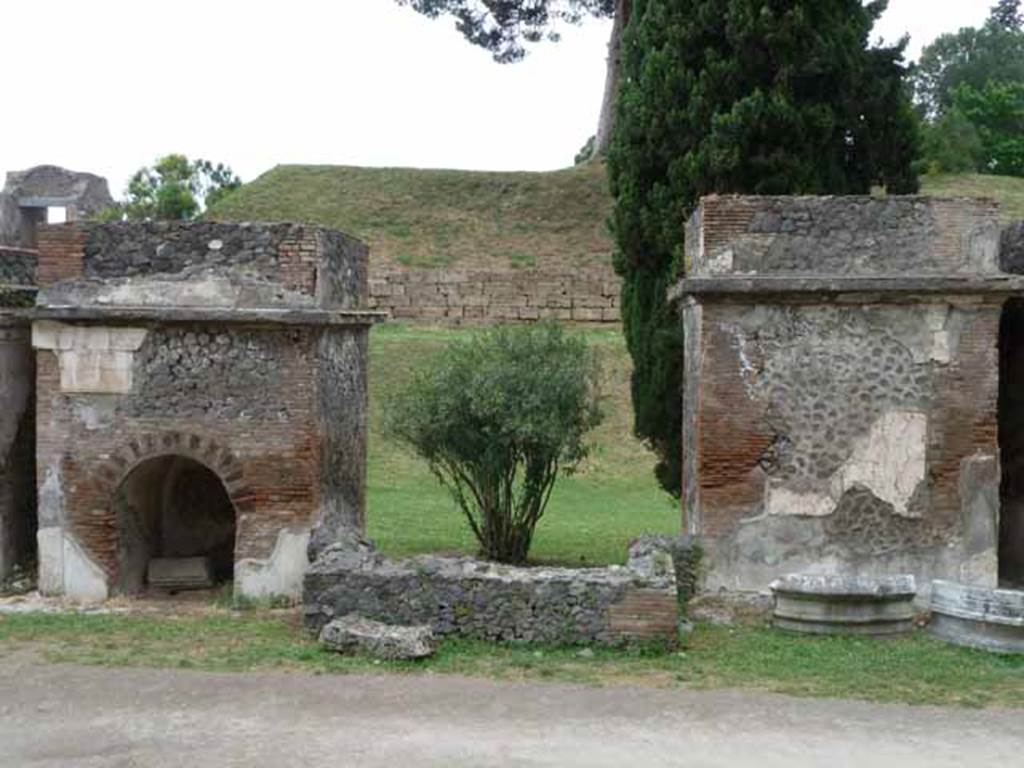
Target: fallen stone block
834	604
383	641
978	617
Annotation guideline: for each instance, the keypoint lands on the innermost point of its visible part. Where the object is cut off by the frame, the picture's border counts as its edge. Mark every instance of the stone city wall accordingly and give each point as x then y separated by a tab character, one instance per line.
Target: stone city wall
587	295
495	602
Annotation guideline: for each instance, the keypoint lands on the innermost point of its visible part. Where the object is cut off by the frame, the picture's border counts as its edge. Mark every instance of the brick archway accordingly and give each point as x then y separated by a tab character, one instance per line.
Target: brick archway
97	532
219	459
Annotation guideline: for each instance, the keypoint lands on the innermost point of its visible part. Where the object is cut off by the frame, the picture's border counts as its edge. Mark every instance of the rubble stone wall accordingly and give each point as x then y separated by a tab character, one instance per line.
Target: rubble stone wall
495	602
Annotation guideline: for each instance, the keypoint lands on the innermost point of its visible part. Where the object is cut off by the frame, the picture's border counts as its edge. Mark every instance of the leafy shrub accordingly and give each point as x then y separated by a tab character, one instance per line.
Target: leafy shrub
952	145
497	417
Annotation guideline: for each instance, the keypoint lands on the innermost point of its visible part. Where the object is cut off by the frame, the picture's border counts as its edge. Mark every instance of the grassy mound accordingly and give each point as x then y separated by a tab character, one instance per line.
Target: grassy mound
428	218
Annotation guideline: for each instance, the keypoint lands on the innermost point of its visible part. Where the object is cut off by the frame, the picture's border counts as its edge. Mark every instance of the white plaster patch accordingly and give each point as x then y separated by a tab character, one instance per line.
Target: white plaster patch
940	351
720	262
889	461
783	501
281	574
50	542
92	358
200	292
65	569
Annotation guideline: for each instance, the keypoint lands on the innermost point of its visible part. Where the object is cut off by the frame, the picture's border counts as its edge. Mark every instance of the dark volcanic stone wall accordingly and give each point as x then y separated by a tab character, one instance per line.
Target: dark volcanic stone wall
215	373
341	397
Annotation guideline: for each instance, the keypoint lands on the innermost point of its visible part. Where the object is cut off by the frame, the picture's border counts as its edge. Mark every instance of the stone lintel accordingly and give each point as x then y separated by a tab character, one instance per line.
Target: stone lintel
817	286
227	315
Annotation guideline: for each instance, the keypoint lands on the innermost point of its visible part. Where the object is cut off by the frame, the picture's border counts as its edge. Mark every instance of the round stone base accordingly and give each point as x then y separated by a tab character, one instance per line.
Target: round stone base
832	605
978	617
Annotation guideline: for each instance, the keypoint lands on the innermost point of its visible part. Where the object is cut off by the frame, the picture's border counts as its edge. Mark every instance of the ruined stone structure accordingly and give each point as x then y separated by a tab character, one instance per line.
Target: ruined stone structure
200	392
853	379
27	195
489	601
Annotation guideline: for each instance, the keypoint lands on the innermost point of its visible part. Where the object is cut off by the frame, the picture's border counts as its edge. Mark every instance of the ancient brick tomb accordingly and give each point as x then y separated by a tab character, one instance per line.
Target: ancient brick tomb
201	393
843	410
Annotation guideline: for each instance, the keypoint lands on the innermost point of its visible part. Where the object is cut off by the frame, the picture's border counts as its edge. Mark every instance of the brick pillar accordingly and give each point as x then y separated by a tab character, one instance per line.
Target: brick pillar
61	249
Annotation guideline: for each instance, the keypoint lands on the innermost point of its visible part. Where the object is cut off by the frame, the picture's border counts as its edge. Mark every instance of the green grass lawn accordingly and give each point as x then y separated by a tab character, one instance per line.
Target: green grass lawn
915	669
592	514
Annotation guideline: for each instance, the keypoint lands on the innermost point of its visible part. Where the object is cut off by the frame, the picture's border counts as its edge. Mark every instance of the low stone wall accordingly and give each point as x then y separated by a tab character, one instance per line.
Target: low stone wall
588	295
495	602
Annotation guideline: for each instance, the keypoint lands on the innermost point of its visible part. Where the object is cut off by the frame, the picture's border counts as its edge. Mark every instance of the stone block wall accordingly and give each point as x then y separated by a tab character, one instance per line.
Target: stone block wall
833	424
589	295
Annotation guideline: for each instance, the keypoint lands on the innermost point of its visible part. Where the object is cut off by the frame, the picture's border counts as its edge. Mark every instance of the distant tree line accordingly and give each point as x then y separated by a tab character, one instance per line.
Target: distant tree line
969	89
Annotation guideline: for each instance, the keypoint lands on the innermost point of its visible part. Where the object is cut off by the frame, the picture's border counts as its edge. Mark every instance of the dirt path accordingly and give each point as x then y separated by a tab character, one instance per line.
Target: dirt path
59	715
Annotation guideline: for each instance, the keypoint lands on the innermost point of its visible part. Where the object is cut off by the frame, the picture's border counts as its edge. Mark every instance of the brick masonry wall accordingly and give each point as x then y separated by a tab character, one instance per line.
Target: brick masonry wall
850	434
455	296
268	458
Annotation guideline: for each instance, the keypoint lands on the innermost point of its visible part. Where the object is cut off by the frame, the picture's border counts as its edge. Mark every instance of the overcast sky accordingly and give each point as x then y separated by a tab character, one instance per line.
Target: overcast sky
109	85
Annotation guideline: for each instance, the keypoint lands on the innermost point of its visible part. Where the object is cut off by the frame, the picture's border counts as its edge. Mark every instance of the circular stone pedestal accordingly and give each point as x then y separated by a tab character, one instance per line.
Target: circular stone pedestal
829	604
979	617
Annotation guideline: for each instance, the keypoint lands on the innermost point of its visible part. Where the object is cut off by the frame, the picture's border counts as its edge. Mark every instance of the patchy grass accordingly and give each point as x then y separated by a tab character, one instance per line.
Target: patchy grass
429	218
915	670
439	218
1007	190
592	514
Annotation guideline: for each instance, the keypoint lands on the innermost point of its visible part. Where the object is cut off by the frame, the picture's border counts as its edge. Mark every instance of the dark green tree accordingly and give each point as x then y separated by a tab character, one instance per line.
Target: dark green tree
737	96
972	56
174	188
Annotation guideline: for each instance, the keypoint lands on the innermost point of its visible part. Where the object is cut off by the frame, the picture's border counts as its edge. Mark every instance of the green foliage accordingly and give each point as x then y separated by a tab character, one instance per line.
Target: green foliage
952	145
496	417
737	96
996	112
972	56
504	27
586	151
175	189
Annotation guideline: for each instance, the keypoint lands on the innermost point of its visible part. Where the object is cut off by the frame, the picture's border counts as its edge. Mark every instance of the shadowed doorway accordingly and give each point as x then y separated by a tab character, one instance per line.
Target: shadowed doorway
172	507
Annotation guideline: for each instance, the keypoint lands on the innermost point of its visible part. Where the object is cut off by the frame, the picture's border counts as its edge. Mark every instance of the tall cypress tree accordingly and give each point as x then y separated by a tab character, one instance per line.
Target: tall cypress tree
737	96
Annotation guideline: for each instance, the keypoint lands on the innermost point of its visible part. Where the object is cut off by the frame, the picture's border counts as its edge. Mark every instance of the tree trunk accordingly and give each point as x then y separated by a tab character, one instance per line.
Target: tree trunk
611	81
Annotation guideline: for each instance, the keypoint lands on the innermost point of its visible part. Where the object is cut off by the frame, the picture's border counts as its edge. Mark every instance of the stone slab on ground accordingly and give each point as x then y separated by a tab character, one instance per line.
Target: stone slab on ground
180	573
383	641
978	617
837	604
